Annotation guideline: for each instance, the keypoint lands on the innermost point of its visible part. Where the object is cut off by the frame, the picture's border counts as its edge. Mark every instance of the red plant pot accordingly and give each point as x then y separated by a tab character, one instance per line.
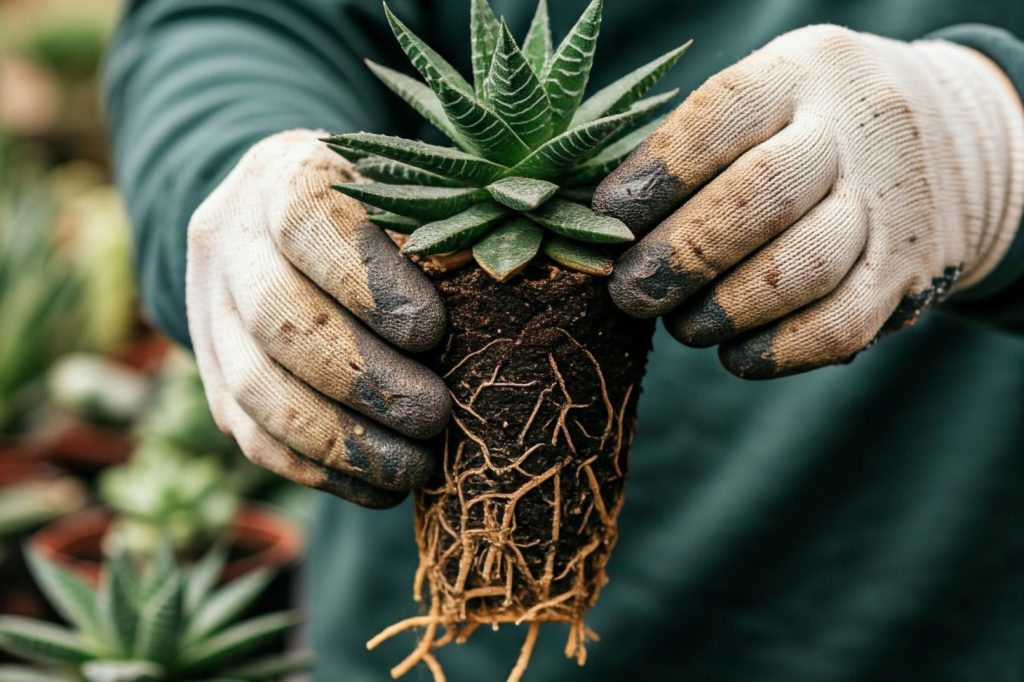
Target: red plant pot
258	538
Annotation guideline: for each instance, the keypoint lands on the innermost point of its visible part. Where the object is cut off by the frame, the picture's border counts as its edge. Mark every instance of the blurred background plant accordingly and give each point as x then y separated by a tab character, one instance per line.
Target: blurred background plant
108	451
162	622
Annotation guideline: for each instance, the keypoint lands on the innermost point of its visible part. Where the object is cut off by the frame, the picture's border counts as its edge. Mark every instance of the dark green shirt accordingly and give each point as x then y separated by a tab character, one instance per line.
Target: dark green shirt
859	523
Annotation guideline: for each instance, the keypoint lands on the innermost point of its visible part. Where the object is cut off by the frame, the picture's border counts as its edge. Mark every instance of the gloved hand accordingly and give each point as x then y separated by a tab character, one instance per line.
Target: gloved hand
838	184
293	297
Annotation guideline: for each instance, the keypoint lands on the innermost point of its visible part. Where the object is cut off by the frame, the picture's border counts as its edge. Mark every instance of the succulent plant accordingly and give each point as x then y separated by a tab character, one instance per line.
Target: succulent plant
165	623
40	294
528	149
29	504
165	491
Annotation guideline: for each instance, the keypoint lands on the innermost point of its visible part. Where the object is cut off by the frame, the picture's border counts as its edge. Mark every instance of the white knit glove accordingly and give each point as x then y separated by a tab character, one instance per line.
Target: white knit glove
292	297
837	184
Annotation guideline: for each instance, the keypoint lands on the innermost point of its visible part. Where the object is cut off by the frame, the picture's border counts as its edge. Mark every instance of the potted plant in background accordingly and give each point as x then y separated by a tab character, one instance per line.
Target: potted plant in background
39	296
31	494
162	623
185	480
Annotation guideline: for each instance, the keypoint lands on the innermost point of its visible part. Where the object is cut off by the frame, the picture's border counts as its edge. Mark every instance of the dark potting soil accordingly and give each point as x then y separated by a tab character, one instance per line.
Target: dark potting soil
545	374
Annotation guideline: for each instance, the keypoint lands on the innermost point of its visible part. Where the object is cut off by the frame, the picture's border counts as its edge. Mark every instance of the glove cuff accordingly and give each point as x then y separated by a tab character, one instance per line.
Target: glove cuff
984	123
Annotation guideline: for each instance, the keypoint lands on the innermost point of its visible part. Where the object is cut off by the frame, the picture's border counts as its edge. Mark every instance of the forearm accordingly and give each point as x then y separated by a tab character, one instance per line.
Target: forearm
192	84
999	299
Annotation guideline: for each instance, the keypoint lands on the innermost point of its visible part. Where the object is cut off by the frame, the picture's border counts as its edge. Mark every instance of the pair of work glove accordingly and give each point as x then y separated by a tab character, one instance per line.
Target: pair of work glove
822	192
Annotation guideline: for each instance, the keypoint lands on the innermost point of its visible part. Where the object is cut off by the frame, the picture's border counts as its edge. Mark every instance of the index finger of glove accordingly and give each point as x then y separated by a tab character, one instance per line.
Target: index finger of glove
326	236
732	112
763	193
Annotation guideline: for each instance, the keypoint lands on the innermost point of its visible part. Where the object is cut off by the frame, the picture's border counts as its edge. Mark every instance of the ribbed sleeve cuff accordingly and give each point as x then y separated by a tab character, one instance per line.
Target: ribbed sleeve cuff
999	298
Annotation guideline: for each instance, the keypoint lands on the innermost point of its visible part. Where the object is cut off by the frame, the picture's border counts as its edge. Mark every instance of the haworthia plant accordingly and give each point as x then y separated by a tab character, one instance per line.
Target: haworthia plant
528	148
167	623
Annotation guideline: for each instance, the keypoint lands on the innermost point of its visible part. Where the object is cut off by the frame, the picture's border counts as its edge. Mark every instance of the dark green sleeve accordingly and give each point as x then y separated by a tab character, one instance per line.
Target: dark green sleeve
192	84
999	299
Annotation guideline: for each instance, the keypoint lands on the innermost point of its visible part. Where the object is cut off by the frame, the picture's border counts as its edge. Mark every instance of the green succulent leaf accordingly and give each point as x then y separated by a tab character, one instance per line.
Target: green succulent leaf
418	96
578	256
576	221
42	642
397	173
202	577
428	203
537	46
567	73
444	161
71	596
483	30
272	668
17	673
509	248
122	671
516	93
643	112
159	625
348	154
571	148
235	642
161	569
226	604
522	194
455	233
429	63
394	222
611	157
116	604
621	94
480	126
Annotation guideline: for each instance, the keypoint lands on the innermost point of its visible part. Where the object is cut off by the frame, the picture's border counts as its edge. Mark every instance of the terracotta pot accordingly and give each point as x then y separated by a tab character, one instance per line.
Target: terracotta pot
21	463
19	595
258	538
87	448
145	354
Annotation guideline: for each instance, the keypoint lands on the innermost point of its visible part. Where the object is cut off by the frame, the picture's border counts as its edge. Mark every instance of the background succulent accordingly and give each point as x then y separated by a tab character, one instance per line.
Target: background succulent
529	149
165	623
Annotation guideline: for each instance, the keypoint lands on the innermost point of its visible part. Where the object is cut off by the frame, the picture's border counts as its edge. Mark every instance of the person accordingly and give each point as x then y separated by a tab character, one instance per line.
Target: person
858	522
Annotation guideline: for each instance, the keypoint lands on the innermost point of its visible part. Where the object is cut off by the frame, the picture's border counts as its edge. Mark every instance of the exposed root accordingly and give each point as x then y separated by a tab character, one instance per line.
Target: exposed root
525	653
518	525
434	667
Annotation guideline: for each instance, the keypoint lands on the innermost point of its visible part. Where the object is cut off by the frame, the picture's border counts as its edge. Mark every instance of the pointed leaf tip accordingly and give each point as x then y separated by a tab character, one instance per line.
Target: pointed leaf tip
537	45
577	221
578	256
621	94
456	232
568	71
417	201
522	194
508	249
432	66
516	93
483	30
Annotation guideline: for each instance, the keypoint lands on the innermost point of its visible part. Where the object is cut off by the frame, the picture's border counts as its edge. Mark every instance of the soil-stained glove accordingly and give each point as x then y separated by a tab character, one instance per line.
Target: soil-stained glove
838	184
293	297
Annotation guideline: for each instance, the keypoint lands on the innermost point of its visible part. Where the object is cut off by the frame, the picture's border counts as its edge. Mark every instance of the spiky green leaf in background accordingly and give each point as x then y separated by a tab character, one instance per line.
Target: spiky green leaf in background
167	623
528	148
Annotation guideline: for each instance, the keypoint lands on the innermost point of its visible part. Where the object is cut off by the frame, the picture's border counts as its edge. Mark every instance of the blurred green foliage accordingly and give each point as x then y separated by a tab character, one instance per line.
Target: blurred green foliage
40	315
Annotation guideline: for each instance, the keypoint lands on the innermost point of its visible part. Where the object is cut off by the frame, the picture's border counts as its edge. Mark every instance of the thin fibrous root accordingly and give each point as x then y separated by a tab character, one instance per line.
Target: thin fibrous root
434	667
524	654
401	626
422	649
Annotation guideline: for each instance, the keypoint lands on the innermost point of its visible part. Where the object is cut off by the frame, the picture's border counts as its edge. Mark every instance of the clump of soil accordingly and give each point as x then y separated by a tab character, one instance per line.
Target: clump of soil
518	524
